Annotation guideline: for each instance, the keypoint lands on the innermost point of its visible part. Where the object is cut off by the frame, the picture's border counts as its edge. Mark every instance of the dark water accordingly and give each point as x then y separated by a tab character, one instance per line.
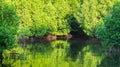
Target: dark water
61	53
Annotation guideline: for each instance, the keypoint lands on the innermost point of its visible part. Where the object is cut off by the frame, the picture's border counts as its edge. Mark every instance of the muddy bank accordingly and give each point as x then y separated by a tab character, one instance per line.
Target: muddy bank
50	37
44	39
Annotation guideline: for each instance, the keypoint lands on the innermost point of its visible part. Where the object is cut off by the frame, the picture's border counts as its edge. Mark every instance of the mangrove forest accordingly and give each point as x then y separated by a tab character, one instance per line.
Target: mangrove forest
59	33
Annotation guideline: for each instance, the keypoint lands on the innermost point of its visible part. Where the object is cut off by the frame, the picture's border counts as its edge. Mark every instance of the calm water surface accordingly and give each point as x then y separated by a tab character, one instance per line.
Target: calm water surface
61	53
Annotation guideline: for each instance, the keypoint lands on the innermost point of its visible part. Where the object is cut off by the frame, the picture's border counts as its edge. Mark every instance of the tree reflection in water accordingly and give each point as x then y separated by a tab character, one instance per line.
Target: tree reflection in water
60	53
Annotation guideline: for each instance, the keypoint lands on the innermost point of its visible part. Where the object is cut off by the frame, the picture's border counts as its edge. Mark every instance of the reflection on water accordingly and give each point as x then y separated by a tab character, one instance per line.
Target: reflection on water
60	53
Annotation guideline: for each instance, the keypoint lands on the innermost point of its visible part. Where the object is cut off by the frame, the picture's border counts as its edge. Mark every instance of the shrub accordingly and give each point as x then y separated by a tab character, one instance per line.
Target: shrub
8	25
91	14
109	31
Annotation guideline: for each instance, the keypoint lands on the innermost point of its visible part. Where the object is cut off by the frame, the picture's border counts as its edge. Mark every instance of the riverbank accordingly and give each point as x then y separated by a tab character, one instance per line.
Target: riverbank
45	38
50	37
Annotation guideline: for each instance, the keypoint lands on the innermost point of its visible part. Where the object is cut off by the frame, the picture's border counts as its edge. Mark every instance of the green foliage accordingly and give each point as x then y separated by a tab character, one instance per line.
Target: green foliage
8	25
109	32
41	17
91	14
59	17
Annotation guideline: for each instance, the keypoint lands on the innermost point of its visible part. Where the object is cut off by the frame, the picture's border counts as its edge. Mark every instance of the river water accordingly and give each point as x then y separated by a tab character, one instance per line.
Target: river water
61	53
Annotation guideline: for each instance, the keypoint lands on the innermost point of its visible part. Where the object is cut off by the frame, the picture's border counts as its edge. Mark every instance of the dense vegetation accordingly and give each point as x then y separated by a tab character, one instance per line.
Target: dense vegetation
8	25
41	17
109	31
58	17
44	19
91	14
